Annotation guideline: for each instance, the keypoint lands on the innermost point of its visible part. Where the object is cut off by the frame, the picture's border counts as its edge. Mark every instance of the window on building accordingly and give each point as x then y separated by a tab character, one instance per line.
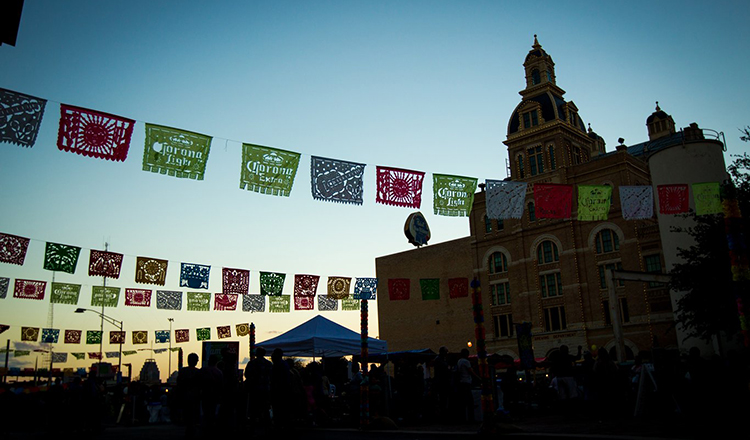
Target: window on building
530	119
549	75
487	224
500	224
500	293
653	265
573	118
602	277
546	252
576	155
532	212
521	171
554	319
498	263
607	240
551	154
503	326
536	160
624	312
535	77
550	284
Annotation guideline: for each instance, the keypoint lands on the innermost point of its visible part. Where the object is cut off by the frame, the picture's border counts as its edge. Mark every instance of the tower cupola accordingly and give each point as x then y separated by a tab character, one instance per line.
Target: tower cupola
659	124
540	69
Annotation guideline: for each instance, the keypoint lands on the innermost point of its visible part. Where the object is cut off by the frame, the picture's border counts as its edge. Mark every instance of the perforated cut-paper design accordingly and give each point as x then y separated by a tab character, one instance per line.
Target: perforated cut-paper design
174	152
453	196
338	287
94	134
430	288
327	304
4	328
305	285
168	300
594	202
198	301
4	284
304	302
398	187
13	249
105	296
268	170
150	270
112	354
673	199
138	297
50	335
242	329
235	281
95	355
279	304
93	337
59	358
194	276
458	287
140	337
29	289
224	331
637	202
161	336
365	288
116	337
61	257
707	198
203	334
336	180
225	301
79	356
505	200
271	283
105	264
182	335
253	303
350	305
399	288
553	200
20	117
73	336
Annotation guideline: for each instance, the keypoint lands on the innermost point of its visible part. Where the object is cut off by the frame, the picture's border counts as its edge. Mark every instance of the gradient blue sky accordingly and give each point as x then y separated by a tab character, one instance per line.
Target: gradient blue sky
424	85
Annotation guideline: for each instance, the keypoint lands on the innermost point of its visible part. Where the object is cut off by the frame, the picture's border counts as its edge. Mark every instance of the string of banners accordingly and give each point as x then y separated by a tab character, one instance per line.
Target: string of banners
266	170
184	154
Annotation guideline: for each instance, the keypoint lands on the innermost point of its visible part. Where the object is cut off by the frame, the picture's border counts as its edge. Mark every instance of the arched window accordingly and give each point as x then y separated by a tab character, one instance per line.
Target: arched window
535	77
547	252
607	241
498	263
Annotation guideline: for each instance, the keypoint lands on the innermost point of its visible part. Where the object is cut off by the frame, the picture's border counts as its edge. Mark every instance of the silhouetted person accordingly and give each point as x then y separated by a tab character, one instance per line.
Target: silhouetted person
466	376
281	390
189	392
230	391
211	392
442	381
258	386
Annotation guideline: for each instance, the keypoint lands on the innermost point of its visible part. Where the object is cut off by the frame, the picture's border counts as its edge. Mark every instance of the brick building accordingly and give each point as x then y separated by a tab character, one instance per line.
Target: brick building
550	272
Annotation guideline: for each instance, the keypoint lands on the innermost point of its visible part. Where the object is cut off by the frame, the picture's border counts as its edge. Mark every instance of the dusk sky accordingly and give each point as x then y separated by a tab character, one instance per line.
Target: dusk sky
421	85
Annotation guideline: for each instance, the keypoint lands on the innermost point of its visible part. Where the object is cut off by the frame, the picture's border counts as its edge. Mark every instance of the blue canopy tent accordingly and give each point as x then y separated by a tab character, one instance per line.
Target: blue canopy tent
321	337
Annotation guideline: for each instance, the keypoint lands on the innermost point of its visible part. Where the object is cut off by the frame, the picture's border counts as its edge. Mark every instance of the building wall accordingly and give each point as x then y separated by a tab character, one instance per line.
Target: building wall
415	323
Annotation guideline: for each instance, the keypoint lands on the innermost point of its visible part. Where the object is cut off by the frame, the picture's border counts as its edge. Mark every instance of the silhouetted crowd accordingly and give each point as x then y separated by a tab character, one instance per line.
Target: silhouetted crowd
278	393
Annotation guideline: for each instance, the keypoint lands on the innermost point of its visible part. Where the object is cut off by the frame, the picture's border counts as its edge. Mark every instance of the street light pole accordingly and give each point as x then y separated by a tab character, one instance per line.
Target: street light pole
169	371
114	322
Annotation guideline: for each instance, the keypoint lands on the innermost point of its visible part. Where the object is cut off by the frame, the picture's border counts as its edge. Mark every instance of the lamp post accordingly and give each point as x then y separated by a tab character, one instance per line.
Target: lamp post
169	371
114	322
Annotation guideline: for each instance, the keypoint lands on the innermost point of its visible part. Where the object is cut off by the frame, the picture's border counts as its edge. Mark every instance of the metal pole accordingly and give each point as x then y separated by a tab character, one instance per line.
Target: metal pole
614	314
169	372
